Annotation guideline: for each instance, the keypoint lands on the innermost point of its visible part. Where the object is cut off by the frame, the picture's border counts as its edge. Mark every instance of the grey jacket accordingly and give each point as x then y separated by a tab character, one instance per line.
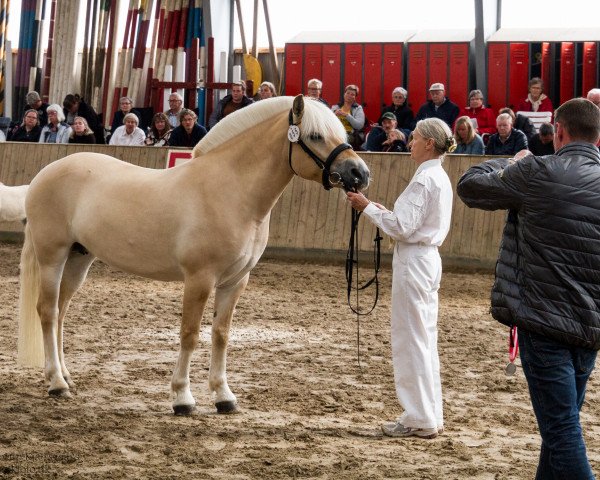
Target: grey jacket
549	264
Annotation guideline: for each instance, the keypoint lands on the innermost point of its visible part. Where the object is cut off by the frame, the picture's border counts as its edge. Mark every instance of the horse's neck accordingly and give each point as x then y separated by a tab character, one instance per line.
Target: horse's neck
256	164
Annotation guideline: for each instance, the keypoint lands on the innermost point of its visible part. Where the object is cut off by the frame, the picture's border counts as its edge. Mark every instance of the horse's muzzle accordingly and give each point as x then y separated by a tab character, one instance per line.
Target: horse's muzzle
350	176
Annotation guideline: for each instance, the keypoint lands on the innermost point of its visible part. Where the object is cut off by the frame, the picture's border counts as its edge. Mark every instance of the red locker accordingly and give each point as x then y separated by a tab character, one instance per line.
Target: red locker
417	75
353	68
497	74
458	82
313	53
438	64
518	69
392	69
547	65
567	71
589	71
332	72
372	95
293	69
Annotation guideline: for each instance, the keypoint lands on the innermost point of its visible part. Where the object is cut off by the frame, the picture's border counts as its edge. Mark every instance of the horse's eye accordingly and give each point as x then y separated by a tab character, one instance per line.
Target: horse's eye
315	137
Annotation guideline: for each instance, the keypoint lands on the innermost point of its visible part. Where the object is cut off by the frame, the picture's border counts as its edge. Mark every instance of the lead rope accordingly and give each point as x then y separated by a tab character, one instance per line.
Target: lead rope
351	264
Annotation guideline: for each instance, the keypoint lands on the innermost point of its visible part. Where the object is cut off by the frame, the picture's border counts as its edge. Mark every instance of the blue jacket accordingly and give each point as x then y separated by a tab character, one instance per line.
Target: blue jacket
476	147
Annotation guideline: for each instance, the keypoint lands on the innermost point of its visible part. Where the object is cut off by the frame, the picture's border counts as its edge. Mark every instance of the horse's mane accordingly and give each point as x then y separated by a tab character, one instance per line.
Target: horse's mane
317	119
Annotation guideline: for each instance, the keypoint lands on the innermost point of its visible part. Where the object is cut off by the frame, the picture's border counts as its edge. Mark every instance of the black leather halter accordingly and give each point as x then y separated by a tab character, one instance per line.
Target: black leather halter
323	165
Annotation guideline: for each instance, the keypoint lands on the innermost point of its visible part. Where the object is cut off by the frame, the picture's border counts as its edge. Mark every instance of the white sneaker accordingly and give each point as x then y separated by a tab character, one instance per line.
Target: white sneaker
398	430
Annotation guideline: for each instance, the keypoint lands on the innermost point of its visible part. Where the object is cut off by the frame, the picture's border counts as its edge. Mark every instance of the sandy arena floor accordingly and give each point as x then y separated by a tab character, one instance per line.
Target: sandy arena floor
307	409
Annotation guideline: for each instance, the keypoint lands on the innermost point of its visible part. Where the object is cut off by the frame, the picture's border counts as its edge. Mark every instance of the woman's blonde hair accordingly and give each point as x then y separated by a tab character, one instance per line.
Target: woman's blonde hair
464	120
438	131
87	130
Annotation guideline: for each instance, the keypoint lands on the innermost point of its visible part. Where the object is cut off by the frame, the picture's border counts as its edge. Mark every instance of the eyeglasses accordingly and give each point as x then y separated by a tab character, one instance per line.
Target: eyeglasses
31	117
174	100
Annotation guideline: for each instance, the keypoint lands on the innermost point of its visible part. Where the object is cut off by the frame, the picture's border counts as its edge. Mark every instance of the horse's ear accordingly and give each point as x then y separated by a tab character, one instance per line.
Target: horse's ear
298	108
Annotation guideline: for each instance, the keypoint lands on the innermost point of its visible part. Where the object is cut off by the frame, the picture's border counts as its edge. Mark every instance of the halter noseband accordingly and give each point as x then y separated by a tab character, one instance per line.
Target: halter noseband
294	137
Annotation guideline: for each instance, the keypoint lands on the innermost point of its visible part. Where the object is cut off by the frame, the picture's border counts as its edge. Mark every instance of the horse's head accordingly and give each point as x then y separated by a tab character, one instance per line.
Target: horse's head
321	152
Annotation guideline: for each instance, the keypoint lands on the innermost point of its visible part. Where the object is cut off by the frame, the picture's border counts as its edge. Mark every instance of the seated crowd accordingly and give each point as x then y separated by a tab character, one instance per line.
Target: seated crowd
477	129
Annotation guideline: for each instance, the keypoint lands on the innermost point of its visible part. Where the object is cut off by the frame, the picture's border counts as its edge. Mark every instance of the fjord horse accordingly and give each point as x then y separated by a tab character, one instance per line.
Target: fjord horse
204	222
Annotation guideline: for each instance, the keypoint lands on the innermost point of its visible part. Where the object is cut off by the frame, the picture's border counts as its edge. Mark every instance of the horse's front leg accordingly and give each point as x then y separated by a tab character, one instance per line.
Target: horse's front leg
195	295
225	301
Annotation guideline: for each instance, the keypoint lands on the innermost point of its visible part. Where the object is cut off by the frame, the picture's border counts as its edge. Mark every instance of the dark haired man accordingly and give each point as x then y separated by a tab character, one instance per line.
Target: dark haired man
230	103
548	287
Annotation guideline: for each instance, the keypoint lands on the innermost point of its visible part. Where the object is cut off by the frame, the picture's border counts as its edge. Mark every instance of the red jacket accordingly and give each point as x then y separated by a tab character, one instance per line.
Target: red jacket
525	106
486	120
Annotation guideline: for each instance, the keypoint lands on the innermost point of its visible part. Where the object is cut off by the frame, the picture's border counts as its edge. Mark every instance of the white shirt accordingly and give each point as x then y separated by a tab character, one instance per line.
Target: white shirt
121	137
422	211
173	118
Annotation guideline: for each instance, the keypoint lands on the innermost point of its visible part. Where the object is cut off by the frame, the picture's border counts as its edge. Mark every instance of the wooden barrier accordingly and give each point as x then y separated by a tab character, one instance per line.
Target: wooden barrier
307	221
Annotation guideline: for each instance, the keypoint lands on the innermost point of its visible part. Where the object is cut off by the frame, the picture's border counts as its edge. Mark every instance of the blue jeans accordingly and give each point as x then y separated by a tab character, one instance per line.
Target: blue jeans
557	375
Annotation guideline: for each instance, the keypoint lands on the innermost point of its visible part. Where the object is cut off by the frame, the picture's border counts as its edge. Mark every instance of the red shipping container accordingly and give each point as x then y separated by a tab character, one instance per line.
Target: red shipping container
589	71
497	76
518	69
372	96
567	71
438	64
417	75
392	69
332	72
293	69
353	68
312	63
458	82
547	65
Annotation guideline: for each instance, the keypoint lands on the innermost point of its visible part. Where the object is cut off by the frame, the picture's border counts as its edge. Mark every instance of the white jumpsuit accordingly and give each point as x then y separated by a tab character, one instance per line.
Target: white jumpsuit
419	224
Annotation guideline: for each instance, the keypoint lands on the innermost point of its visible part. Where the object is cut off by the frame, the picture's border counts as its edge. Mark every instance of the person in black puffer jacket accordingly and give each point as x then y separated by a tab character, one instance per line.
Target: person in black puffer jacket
549	287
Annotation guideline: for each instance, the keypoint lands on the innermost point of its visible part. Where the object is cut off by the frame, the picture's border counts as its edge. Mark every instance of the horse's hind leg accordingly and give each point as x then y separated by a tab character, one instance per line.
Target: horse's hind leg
51	265
225	301
74	275
195	295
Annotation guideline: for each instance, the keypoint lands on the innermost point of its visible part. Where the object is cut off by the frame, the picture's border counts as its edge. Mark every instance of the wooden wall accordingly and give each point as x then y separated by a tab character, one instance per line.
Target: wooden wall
308	222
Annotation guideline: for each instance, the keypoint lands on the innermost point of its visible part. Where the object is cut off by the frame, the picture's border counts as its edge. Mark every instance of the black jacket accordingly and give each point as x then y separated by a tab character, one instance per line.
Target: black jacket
180	138
447	111
87	111
549	274
516	142
403	114
20	134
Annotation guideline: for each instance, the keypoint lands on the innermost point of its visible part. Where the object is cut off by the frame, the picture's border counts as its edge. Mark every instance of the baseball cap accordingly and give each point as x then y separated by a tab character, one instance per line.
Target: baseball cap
389	116
436	86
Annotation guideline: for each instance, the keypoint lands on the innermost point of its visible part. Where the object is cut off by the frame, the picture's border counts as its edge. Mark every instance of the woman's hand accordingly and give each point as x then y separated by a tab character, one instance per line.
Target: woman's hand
357	200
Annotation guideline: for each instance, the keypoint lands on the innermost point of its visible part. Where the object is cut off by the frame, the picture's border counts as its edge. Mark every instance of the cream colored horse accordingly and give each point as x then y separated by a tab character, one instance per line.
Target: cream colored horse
204	222
12	203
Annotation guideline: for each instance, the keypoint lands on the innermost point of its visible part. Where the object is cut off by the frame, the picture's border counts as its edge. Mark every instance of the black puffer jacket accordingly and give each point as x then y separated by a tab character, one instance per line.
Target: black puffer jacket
555	257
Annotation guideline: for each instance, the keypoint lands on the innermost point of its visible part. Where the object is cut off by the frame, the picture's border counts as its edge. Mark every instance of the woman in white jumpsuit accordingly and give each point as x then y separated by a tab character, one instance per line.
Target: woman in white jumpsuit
419	224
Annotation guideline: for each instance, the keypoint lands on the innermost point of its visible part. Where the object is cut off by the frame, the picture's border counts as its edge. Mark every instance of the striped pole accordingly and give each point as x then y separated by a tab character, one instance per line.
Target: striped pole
90	66
158	22
4	6
108	108
140	48
24	57
101	60
85	73
49	52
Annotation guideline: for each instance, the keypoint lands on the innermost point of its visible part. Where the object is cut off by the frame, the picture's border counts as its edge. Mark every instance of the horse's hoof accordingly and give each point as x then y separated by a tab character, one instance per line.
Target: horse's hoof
184	410
60	393
227	407
70	383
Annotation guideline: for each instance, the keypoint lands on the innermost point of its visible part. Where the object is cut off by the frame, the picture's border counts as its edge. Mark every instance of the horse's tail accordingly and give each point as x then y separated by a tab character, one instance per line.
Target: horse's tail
30	345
